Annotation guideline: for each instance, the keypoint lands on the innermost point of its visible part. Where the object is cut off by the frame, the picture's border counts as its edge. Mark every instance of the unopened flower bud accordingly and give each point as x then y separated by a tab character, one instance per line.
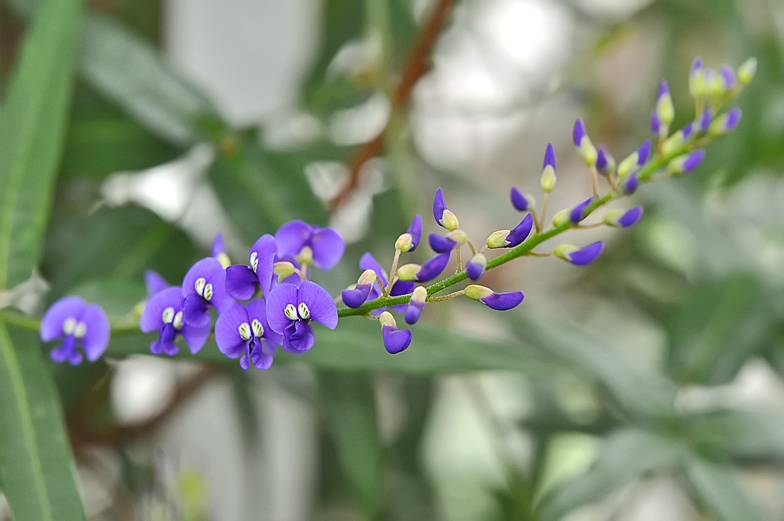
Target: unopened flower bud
664	107
725	123
747	71
476	266
404	243
697	79
395	341
449	221
628	165
283	270
493	300
579	256
305	256
415	305
605	162
408	271
622	218
458	236
498	239
476	292
522	202
561	217
583	143
686	162
577	213
442	215
728	77
673	143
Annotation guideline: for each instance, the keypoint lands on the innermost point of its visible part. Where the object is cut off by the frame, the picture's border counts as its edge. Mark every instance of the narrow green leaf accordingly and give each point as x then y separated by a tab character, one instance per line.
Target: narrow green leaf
748	436
32	132
717	489
626	455
351	416
36	469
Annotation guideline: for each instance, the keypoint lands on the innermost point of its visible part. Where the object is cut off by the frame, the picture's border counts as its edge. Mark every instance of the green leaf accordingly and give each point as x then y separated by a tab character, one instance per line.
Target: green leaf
717	328
626	455
32	132
36	469
129	71
716	488
357	346
636	388
748	436
351	416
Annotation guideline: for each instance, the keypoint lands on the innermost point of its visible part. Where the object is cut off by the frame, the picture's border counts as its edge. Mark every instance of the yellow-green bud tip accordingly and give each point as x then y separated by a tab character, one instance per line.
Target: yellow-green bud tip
548	179
419	295
563	251
408	271
387	319
404	243
561	217
498	239
459	236
283	270
475	291
449	221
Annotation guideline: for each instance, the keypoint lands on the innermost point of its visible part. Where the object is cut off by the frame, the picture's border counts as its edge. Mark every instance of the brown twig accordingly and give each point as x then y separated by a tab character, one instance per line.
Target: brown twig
416	66
118	434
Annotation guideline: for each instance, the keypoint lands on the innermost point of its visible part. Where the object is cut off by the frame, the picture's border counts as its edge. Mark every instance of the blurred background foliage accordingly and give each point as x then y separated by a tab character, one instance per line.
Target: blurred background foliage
646	386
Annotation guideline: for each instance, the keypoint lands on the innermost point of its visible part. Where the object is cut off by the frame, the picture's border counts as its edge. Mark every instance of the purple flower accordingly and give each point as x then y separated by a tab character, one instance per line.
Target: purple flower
219	251
728	75
578	212
154	282
579	256
655	123
476	266
416	305
442	215
243	331
511	238
290	310
605	162
548	178
410	240
623	218
76	322
242	281
431	269
687	162
441	244
522	202
203	287
400	287
324	246
493	300
163	312
395	340
357	295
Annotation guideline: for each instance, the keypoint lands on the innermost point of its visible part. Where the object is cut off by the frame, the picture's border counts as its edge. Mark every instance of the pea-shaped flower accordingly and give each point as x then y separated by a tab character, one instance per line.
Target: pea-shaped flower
290	309
323	246
76	322
203	287
242	281
163	313
243	331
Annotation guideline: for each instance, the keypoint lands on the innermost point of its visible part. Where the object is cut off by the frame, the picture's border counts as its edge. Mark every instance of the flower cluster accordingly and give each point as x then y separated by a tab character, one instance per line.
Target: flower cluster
271	302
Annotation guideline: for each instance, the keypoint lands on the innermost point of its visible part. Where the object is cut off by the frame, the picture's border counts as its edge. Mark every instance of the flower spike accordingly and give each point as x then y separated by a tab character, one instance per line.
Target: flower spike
622	218
493	300
395	340
579	256
416	305
442	215
77	323
583	143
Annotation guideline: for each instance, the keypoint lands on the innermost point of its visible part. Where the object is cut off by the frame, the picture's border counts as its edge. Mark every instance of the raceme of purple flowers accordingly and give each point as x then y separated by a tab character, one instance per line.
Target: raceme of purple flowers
270	301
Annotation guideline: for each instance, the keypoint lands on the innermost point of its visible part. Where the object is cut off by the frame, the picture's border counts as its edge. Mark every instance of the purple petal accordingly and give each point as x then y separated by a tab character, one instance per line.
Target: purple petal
227	334
413	310
415	231
66	351
439	205
518	200
663	88
241	282
165	342
354	298
195	311
212	271
433	267
278	299
195	337
643	151
292	237
395	340
705	120
631	184
319	301
578	133
474	271
687	130
298	337
217	245
245	358
154	282
257	308
440	244
693	160
401	287
630	217
578	212
368	262
655	126
96	338
733	117
521	231
266	249
260	359
549	153
52	323
503	301
729	77
586	255
152	316
328	248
